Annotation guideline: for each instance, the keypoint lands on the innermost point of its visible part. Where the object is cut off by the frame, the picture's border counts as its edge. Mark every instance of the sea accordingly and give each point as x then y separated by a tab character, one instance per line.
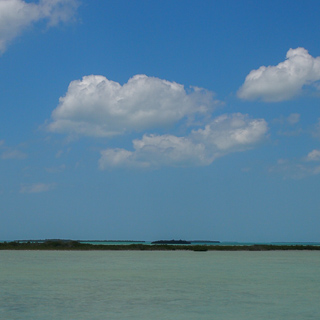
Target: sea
159	285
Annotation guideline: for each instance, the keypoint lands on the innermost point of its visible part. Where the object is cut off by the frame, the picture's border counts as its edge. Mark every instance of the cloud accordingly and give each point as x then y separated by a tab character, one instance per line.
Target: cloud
10	153
36	187
96	106
299	168
225	134
284	81
314	155
289	125
155	151
294	170
17	15
293	118
232	132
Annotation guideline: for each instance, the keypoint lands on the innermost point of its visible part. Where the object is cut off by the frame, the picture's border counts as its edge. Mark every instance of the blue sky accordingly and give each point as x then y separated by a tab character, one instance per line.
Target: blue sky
160	119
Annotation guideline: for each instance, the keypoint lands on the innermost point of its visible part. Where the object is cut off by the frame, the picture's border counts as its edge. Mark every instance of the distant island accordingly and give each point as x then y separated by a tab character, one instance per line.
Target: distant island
65	245
171	242
205	241
91	241
112	241
184	242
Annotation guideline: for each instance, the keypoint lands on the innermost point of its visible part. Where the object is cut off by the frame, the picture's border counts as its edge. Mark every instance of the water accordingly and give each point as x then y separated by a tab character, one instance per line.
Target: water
175	285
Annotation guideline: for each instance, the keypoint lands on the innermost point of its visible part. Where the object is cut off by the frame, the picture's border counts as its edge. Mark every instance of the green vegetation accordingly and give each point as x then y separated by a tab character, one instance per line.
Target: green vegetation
76	245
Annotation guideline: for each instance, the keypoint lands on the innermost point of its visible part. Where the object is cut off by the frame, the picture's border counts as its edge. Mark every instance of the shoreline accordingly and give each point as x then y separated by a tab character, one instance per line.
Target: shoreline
77	246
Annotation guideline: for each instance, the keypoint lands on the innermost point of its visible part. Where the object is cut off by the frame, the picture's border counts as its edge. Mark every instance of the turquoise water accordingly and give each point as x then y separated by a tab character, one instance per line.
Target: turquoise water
175	285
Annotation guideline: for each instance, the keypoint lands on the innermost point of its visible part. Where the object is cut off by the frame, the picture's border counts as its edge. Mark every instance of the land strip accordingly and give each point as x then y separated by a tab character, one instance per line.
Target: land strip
77	246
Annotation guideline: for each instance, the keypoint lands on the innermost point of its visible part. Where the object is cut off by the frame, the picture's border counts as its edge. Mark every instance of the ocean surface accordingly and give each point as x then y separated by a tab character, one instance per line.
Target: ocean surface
155	285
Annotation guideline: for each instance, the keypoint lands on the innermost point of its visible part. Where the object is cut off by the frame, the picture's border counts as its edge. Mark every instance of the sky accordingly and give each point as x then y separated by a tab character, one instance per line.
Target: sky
148	120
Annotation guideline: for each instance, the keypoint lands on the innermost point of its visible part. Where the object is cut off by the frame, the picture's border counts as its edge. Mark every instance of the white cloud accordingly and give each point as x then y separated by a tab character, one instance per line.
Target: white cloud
225	134
96	106
36	187
284	81
156	151
314	155
293	118
233	132
16	15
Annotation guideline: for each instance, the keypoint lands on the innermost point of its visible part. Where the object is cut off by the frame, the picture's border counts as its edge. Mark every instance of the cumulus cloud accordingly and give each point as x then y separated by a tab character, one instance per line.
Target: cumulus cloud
96	106
36	187
232	132
156	151
283	81
16	15
225	134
